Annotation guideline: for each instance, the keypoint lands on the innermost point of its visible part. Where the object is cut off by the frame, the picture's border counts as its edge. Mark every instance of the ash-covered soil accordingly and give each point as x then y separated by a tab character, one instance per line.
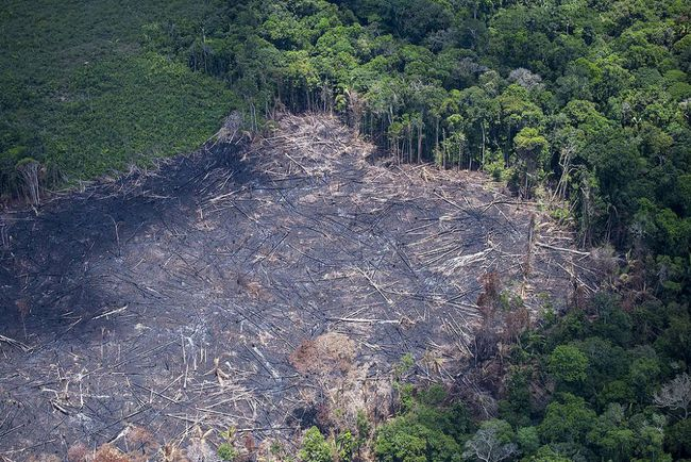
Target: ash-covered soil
254	285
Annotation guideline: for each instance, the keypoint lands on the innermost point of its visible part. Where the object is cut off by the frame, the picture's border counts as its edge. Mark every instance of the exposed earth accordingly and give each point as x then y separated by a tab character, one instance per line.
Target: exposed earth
255	284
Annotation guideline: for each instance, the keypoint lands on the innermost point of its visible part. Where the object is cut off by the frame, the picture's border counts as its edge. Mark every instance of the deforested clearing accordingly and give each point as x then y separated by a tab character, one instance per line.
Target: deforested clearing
262	284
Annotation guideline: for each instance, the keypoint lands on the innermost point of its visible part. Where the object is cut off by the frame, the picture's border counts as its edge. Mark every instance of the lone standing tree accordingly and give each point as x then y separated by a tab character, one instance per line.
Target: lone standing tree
28	169
531	147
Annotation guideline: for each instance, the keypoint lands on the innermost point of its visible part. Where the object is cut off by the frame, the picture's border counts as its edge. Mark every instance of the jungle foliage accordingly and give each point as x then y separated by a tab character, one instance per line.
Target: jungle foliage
582	105
83	98
582	101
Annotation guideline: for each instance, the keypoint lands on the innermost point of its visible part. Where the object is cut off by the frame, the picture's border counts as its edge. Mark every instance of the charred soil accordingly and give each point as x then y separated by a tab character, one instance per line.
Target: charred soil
256	284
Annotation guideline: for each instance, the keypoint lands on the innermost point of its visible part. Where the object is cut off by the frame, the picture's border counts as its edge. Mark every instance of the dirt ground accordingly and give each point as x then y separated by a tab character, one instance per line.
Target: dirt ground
253	285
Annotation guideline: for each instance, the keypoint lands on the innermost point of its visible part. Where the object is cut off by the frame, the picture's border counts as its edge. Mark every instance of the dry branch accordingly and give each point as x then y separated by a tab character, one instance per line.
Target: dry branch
562	249
14	343
366	321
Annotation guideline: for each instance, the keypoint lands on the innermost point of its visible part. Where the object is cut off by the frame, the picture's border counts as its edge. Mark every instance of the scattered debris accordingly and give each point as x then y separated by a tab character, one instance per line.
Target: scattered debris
255	285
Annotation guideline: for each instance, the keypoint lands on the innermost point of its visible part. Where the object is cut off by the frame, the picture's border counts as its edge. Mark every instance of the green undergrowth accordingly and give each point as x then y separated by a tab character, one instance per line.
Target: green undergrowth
81	96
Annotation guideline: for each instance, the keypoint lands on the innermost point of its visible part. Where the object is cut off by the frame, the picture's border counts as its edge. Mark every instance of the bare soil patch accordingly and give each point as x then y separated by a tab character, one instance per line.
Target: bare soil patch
251	285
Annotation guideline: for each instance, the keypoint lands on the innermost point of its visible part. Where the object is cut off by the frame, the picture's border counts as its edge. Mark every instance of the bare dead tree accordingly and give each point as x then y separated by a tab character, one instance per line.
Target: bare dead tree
356	106
685	106
526	78
516	323
4	237
530	240
29	172
675	395
486	445
485	341
327	96
588	211
24	308
230	127
488	300
567	153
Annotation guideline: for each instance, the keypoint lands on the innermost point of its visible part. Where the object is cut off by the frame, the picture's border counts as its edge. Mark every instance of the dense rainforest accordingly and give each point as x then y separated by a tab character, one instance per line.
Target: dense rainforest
580	105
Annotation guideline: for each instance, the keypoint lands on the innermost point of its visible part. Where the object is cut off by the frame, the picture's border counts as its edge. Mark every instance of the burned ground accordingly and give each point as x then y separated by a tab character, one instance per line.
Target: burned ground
254	285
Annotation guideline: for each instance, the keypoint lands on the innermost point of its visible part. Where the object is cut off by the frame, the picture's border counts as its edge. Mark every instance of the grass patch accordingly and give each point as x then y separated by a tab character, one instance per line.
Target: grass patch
79	92
130	109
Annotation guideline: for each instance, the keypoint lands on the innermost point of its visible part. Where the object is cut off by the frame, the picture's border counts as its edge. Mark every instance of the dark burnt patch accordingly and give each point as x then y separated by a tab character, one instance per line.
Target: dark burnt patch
180	297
